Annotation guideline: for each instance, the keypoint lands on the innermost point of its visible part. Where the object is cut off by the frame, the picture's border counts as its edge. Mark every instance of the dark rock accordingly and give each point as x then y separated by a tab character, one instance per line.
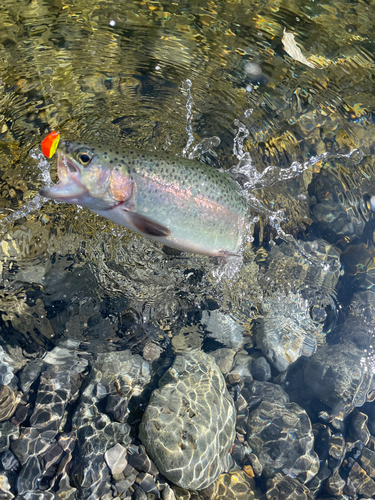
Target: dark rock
9	461
335	484
358	427
359	482
147	483
255	392
51	456
339	378
30	443
367	461
260	369
282	438
21	414
142	463
29	476
139	494
8	431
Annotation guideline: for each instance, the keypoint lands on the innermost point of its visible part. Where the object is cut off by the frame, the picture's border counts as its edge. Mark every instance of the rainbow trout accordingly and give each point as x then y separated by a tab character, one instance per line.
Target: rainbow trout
180	203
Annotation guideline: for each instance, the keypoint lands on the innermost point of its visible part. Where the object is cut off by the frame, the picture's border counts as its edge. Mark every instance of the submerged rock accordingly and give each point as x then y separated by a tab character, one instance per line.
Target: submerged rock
9	400
6	368
224	359
234	485
115	377
5	487
116	458
359	483
256	392
309	268
189	425
340	378
223	328
281	436
287	331
287	488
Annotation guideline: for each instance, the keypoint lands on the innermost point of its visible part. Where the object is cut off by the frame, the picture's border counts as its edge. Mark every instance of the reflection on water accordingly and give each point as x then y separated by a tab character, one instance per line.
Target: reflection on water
279	94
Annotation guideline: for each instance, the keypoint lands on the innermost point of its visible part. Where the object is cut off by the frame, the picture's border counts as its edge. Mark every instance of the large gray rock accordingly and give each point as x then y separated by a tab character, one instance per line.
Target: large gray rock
189	425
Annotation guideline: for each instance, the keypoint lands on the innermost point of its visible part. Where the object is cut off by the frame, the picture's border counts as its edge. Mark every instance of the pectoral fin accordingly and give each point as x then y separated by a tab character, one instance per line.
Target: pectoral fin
147	226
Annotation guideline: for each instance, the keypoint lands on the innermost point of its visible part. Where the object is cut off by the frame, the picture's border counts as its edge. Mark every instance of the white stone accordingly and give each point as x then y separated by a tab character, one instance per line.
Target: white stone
116	458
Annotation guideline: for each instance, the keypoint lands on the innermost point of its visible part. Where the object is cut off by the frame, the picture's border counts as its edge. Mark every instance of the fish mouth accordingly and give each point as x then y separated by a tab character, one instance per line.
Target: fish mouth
70	188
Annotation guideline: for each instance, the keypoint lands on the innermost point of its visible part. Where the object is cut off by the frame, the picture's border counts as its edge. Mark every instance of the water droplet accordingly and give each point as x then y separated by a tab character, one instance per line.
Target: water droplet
187	84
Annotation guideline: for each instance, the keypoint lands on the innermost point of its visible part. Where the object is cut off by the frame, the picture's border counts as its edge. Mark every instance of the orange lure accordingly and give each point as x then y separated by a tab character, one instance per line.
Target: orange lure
50	143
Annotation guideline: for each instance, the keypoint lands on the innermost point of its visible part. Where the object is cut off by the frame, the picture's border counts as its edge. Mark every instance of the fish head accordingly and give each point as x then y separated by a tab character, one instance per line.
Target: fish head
89	176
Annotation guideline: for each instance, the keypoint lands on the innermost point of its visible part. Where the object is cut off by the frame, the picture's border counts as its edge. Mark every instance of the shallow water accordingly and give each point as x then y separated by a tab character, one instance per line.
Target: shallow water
214	80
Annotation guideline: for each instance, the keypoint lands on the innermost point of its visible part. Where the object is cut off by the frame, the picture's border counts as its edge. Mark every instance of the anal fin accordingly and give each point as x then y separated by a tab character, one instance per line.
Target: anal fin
147	226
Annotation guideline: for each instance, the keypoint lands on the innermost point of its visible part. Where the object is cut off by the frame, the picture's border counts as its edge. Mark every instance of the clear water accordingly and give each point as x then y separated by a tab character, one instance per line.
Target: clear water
207	80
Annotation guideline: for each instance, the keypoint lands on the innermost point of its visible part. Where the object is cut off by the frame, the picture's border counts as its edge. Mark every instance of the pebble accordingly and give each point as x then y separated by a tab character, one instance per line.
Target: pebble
151	352
142	463
116	458
224	359
9	400
260	369
168	494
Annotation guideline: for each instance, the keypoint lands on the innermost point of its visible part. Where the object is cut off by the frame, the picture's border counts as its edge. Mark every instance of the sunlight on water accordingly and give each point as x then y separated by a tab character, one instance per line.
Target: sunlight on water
276	344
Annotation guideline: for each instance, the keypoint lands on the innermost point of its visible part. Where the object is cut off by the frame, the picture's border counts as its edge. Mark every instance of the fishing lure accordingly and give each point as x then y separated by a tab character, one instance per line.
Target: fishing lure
50	143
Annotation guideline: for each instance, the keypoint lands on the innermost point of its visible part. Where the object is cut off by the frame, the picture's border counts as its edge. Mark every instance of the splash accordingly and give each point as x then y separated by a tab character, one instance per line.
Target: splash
207	143
38	201
271	175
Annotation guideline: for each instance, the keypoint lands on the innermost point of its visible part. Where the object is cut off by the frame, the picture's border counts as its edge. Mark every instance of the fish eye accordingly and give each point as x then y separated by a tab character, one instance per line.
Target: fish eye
84	157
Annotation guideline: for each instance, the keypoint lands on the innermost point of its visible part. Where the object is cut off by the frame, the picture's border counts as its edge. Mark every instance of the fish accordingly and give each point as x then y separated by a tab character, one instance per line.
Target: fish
181	203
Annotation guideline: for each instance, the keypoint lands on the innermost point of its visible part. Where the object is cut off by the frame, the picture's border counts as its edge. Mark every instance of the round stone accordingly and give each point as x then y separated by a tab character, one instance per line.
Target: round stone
340	378
281	436
189	425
